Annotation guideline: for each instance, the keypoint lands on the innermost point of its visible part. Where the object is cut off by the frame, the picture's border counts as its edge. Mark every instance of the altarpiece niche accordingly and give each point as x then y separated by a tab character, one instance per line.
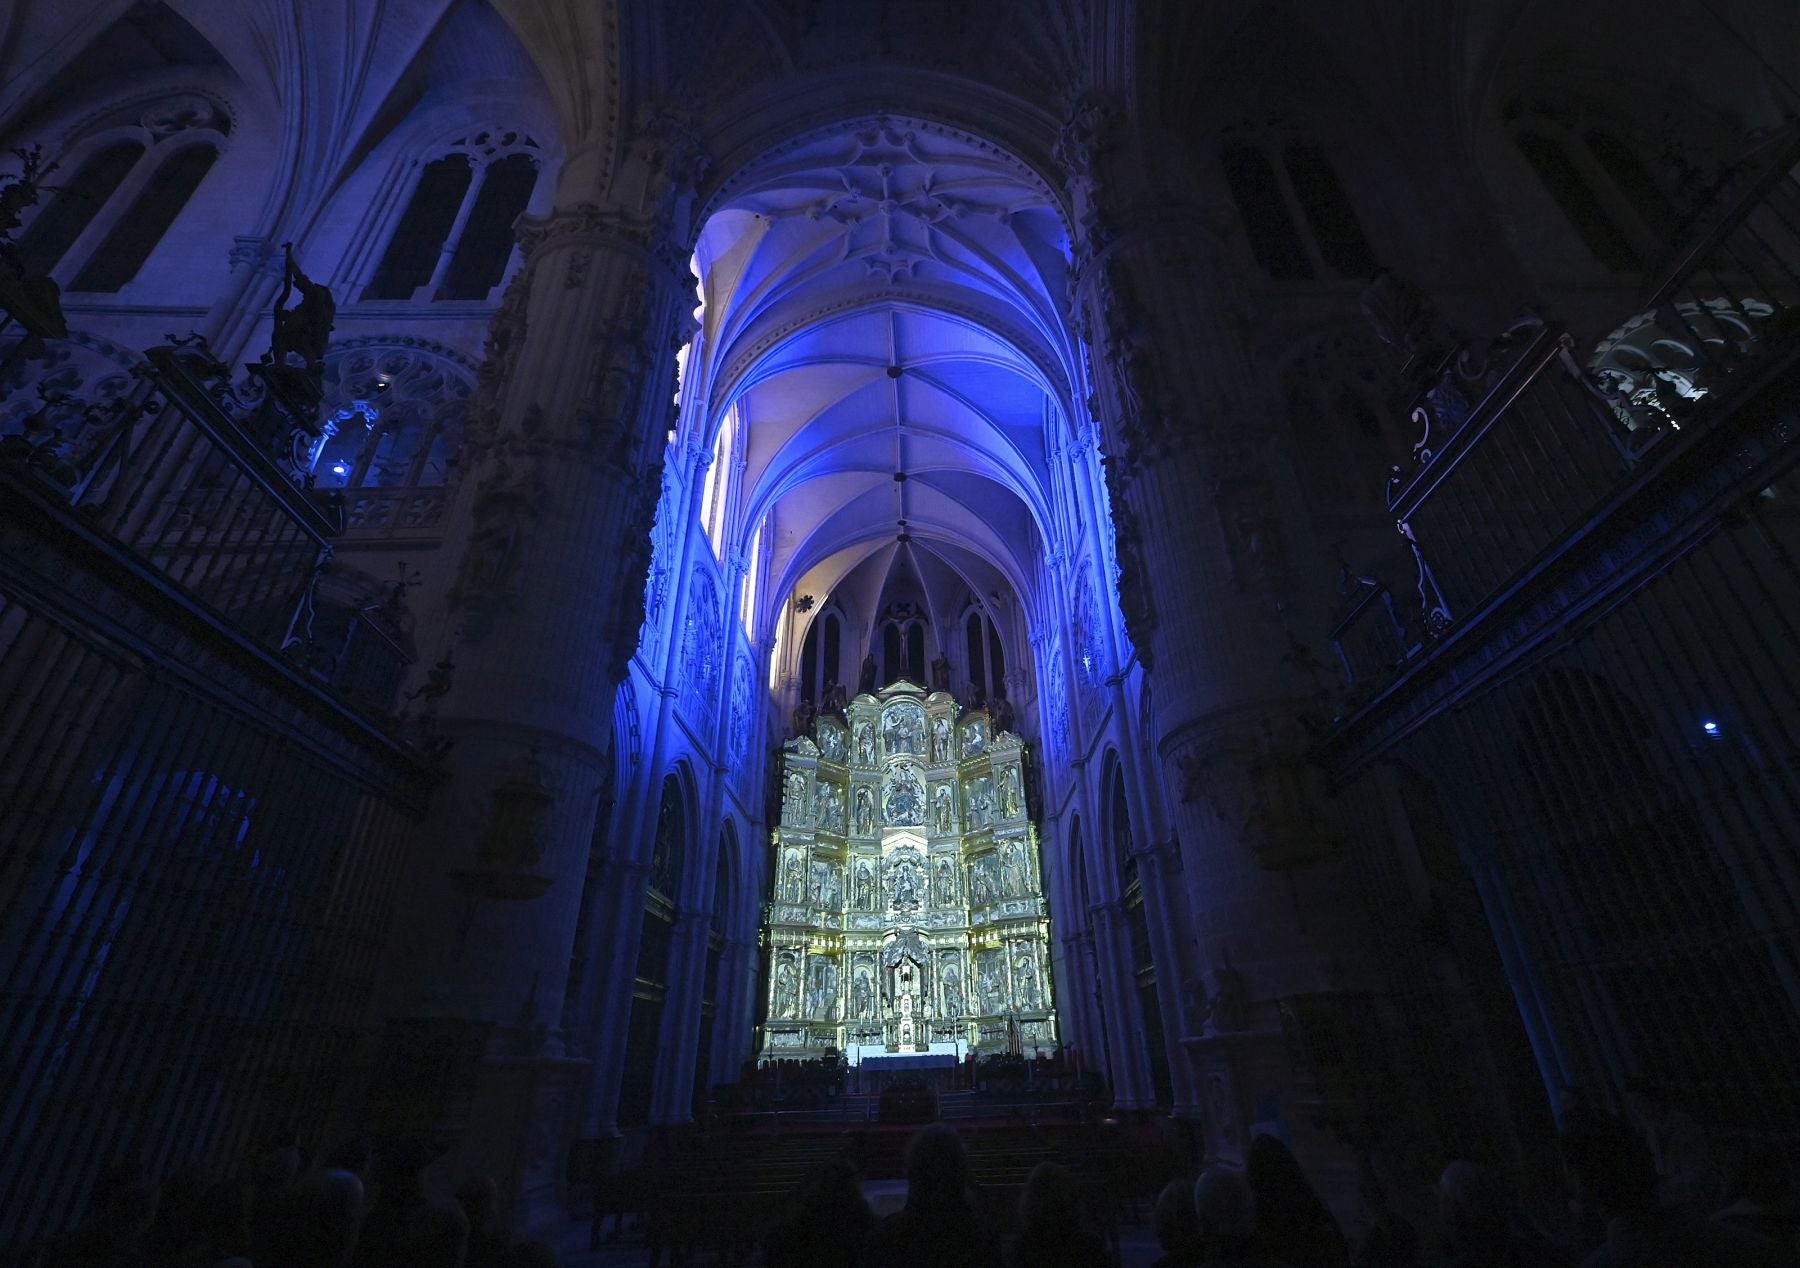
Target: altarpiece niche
907	912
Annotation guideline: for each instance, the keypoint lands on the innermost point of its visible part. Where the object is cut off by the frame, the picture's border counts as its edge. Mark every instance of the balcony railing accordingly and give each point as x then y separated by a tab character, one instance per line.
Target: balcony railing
205	484
1522	445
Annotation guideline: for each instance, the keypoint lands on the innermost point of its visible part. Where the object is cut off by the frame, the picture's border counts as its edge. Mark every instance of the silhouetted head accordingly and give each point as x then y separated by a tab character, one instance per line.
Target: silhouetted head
1225	1209
1177	1227
1050	1199
833	1190
532	1255
1473	1204
936	1169
480	1200
1760	1174
1610	1169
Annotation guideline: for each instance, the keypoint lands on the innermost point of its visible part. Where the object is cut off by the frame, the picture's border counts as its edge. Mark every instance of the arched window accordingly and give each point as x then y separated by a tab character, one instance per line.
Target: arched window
1606	241
1295	210
126	192
821	653
901	644
986	654
455	236
54	230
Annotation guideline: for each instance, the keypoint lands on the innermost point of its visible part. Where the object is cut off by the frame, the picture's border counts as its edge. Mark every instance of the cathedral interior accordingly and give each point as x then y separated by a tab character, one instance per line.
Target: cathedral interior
578	572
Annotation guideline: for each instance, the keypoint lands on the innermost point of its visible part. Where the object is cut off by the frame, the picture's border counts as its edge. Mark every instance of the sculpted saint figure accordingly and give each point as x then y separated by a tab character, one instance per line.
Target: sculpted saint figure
940	740
944	806
865	810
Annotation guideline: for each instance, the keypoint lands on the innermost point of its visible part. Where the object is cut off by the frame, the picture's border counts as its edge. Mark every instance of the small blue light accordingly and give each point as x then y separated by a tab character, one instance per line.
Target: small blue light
1711	728
338	468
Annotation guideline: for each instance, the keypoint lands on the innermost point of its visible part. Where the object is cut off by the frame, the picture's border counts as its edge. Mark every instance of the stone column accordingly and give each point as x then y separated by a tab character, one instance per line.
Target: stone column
1156	879
1118	1002
672	1100
1211	535
542	582
617	923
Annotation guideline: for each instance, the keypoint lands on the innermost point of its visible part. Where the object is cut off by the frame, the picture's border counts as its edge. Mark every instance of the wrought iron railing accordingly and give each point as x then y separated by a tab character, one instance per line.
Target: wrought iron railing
1522	445
206	483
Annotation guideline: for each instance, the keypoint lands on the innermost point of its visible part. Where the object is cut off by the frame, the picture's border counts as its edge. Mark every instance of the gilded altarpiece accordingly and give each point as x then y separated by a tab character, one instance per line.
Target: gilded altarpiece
908	912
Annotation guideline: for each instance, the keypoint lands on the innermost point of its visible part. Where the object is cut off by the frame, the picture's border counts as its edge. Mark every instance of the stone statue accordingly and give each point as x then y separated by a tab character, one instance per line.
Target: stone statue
862	996
906	885
953	996
944	806
866	679
1012	870
940	740
831	744
865	884
793	885
1009	793
1026	983
940	673
803	717
946	882
865	743
974	739
793	806
303	332
1004	717
785	989
835	699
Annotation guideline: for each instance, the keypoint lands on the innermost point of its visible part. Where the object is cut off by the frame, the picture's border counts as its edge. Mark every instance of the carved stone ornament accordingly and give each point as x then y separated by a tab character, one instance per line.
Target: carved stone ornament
516	836
1276	802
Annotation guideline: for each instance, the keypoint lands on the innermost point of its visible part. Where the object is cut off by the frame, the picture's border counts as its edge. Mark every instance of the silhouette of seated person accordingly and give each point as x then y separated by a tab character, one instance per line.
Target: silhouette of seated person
319	1222
1612	1174
1226	1214
1293	1224
828	1228
1176	1227
114	1231
1480	1227
1760	1196
1053	1231
404	1227
938	1225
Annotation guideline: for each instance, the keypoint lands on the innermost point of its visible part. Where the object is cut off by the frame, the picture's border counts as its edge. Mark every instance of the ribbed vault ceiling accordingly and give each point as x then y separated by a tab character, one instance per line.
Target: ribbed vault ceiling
880	302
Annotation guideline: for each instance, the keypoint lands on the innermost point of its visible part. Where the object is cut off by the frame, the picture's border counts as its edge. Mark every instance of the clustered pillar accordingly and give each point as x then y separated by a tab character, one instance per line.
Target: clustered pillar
1208	528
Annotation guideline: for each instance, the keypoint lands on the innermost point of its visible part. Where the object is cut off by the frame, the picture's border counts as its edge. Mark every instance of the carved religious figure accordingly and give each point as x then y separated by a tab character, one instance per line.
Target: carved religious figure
1010	792
943	805
979	798
865	885
793	802
831	808
1012	870
815	888
946	881
953	996
1026	991
821	995
941	731
906	883
940	672
974	739
786	989
865	811
903	799
793	883
862	996
831	743
991	987
902	730
865	743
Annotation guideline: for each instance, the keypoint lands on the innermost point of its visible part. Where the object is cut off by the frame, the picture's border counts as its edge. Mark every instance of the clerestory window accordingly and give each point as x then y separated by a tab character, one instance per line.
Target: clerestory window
454	238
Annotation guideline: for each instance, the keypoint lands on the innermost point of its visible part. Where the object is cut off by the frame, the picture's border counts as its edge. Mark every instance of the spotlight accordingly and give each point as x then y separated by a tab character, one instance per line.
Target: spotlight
338	468
1712	730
